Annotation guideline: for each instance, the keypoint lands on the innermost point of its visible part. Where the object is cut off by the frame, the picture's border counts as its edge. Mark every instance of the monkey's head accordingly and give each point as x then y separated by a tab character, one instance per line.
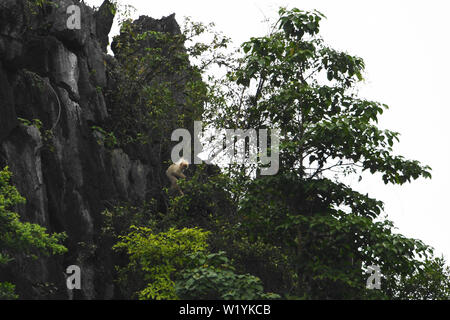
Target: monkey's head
183	164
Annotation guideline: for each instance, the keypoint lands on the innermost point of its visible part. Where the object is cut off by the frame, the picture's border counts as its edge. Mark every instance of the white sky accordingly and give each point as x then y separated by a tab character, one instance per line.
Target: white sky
405	45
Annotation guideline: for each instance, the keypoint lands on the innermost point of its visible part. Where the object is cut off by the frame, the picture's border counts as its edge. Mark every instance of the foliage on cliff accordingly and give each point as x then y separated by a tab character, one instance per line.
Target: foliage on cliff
158	88
24	239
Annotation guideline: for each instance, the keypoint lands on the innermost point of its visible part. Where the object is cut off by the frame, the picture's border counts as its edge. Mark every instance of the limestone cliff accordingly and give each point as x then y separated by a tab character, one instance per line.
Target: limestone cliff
59	76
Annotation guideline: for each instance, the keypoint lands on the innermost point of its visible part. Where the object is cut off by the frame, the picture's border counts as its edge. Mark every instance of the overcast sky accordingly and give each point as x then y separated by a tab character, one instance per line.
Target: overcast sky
405	45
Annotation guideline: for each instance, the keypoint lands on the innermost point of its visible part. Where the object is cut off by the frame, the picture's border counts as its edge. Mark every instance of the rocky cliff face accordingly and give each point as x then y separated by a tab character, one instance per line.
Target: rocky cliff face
58	75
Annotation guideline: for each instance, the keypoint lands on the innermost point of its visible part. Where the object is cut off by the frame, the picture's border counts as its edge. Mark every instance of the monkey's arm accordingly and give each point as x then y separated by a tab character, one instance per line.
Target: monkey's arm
179	174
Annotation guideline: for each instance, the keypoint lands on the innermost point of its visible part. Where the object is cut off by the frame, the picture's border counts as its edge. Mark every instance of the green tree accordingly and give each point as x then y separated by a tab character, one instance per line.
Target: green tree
322	232
178	265
159	87
212	277
303	232
18	238
429	282
155	259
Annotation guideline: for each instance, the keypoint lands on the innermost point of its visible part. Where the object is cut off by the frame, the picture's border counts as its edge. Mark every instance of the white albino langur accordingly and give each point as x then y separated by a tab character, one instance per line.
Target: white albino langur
175	172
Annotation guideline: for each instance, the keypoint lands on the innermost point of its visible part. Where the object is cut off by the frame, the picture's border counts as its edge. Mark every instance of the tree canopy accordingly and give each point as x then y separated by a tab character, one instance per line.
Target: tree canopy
303	232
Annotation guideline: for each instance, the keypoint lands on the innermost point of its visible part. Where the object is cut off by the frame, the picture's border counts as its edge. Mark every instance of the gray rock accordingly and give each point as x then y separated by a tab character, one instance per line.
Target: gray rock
8	118
67	175
104	18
